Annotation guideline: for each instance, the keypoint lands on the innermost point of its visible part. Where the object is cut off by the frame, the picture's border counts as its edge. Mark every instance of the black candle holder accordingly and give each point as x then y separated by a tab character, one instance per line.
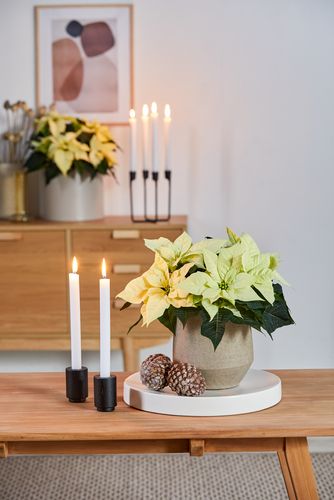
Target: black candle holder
76	384
155	179
105	393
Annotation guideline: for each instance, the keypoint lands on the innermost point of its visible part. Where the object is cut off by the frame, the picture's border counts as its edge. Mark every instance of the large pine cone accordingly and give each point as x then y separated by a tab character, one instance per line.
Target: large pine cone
186	380
154	370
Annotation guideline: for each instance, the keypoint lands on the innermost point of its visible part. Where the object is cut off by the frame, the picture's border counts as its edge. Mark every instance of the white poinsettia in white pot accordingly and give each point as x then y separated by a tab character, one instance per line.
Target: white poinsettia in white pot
209	295
75	155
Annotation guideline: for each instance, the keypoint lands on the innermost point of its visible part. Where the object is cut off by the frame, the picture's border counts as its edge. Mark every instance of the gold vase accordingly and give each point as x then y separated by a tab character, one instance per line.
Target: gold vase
8	189
20	214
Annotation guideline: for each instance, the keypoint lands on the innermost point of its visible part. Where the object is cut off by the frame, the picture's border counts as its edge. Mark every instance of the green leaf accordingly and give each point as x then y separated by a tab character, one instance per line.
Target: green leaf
85	137
276	316
168	319
214	329
51	171
134	324
102	167
263	315
84	168
183	313
36	161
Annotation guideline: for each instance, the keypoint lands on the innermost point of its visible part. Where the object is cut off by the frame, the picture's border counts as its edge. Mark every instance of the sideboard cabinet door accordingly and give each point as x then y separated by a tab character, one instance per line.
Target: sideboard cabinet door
126	257
32	286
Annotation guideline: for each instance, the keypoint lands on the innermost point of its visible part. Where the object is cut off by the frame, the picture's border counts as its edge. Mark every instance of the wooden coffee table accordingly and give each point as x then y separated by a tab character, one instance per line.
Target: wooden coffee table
36	419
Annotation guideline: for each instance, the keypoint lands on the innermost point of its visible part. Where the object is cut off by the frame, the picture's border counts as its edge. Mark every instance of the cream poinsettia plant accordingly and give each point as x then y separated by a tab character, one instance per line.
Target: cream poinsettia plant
63	145
222	280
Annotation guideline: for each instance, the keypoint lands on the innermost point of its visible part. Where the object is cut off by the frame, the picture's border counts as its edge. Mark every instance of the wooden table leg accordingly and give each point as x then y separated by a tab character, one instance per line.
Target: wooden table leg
3	450
286	474
297	469
130	354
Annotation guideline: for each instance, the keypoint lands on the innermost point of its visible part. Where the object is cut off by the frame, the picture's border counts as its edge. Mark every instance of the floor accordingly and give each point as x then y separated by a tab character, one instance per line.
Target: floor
174	477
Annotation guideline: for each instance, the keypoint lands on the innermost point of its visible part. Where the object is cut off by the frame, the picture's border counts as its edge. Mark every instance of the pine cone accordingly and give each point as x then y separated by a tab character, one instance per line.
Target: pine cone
186	380
154	370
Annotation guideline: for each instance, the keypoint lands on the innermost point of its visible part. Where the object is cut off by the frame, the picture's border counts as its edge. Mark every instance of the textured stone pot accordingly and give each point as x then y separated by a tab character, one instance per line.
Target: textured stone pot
73	198
227	365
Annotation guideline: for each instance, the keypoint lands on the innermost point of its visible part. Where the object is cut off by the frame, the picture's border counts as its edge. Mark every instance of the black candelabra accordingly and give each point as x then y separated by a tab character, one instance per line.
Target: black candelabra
155	180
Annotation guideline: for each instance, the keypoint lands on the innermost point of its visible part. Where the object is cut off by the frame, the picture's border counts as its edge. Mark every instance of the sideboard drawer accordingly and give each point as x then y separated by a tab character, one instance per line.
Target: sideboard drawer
91	246
33	282
126	257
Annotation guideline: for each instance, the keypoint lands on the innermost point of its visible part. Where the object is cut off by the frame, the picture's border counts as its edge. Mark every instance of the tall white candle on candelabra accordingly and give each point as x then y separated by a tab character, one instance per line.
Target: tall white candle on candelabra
104	323
167	142
133	140
154	127
75	321
146	141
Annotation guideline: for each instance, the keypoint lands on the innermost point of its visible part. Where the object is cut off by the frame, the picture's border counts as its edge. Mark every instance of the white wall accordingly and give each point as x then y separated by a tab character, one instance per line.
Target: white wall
251	86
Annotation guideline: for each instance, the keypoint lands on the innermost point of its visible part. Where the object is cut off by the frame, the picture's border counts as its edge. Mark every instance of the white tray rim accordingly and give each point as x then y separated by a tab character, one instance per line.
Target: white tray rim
257	391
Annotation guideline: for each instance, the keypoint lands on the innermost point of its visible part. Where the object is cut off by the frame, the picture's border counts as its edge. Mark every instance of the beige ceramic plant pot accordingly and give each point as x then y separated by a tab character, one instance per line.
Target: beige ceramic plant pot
227	365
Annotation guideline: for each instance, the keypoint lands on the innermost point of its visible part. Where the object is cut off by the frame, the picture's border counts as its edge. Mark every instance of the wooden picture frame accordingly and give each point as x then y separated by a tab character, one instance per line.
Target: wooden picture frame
84	60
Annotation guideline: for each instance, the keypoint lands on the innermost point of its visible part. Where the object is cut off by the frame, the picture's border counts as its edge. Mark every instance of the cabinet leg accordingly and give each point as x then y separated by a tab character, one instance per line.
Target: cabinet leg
297	469
130	355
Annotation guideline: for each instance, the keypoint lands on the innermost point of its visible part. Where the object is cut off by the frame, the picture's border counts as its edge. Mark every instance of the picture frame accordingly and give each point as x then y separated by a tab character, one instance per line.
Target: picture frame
84	60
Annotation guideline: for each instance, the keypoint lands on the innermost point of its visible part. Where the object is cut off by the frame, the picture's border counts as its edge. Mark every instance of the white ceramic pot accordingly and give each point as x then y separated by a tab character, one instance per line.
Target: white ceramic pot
73	198
222	368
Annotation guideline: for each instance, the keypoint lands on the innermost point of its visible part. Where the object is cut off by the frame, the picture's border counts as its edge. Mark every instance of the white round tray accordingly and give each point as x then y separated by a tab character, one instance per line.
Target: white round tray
257	391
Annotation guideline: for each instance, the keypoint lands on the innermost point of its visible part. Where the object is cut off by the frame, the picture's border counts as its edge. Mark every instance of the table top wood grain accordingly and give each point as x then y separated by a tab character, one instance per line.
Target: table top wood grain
33	407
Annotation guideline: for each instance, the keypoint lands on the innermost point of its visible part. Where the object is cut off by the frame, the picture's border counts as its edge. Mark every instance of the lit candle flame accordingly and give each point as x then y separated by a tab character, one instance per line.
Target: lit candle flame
146	111
104	268
132	114
74	265
154	108
167	112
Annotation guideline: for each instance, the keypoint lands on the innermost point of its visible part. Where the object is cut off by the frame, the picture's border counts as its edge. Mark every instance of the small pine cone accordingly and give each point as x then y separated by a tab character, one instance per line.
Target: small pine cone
186	379
154	370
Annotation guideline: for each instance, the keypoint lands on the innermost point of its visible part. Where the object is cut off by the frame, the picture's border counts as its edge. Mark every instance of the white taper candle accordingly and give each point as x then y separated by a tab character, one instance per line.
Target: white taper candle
146	141
167	142
104	323
75	322
154	126
133	140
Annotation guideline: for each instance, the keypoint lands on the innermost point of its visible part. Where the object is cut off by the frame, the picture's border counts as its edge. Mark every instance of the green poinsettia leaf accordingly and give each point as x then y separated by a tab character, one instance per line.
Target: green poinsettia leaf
36	161
168	319
51	172
214	329
276	316
183	313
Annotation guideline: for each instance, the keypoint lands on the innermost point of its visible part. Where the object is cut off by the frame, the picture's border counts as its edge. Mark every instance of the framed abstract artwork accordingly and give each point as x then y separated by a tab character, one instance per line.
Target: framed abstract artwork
84	60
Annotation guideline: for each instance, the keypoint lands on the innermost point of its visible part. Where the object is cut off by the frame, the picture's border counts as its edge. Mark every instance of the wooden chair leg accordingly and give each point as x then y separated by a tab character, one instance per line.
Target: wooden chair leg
130	355
297	469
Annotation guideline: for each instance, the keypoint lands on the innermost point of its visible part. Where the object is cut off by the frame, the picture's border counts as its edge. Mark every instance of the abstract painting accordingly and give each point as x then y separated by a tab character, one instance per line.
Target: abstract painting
84	60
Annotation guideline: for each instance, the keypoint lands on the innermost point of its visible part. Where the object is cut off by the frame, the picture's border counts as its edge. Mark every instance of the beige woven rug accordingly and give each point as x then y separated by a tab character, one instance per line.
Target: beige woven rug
153	477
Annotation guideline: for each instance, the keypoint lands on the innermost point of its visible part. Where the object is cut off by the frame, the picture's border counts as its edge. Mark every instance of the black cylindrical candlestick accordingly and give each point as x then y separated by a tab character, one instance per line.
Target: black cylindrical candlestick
77	384
105	393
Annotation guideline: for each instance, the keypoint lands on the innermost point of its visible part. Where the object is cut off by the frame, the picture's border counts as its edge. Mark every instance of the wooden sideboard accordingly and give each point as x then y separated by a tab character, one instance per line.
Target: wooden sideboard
35	259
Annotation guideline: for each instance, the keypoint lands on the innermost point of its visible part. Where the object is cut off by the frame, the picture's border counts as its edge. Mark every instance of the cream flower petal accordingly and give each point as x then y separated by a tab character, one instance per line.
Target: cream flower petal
156	305
211	263
63	160
135	291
